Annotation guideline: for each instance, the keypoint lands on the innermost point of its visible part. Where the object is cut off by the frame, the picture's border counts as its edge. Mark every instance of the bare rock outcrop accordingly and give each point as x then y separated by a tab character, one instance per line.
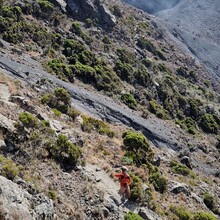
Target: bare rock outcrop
16	203
93	9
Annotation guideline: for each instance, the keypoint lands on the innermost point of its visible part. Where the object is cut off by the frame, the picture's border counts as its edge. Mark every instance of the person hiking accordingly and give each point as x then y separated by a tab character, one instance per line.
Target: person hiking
125	182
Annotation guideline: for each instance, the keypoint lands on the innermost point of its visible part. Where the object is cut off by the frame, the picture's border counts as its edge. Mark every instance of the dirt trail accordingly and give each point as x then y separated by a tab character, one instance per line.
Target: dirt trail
104	182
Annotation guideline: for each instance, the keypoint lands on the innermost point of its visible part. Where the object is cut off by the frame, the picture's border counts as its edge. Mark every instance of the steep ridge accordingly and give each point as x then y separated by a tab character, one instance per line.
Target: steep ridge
104	107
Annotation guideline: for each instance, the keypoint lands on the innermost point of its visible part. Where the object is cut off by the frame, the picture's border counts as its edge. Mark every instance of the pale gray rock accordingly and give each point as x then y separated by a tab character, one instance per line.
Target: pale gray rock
44	208
13	201
6	123
17	203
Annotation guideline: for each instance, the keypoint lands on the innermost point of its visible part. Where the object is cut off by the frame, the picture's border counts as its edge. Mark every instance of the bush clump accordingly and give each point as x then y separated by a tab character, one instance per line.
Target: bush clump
61	70
124	71
158	110
52	194
211	202
129	100
89	124
64	151
179	168
208	124
28	120
8	168
204	216
188	124
137	147
126	56
59	99
159	182
132	216
136	188
181	213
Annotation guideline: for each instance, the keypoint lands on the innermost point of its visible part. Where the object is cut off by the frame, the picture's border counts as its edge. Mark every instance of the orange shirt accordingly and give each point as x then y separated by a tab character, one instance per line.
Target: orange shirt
124	178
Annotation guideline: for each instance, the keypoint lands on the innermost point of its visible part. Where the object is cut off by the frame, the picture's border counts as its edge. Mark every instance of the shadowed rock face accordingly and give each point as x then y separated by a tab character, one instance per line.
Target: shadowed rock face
91	9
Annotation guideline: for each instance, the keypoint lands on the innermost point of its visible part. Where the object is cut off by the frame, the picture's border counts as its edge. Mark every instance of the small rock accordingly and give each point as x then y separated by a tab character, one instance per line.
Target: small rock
177	188
186	161
148	214
105	212
97	179
156	161
98	169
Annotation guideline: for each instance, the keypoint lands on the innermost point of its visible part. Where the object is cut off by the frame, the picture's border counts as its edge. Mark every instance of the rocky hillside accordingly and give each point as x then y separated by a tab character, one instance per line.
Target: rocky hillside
194	24
88	86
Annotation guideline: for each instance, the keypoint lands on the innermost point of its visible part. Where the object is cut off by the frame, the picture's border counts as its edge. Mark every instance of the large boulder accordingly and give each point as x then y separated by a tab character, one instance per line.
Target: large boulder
93	9
17	203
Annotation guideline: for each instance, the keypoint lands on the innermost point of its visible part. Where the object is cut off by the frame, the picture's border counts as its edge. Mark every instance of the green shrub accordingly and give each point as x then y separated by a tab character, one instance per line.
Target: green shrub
60	100
46	6
142	77
86	57
147	62
181	213
116	11
73	113
64	151
9	169
179	168
127	160
62	95
134	140
89	22
28	120
137	147
124	71
126	56
84	72
61	70
158	181
72	47
204	216
76	28
211	202
89	124
208	124
129	100
47	99
136	188
52	194
132	216
56	112
189	124
158	110
146	44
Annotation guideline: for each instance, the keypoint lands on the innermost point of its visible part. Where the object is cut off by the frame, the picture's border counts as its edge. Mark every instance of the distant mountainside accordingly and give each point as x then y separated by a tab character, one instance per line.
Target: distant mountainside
153	6
196	23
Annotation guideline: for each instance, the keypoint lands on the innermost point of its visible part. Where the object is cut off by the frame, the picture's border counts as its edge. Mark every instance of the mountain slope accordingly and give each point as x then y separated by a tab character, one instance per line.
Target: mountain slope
82	94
